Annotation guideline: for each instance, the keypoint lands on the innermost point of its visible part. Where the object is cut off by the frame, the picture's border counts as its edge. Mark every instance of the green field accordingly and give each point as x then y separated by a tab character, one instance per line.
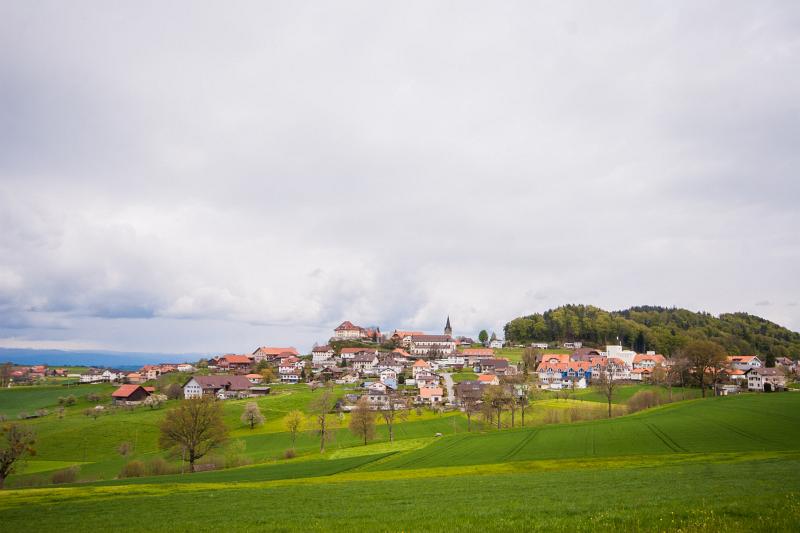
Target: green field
686	465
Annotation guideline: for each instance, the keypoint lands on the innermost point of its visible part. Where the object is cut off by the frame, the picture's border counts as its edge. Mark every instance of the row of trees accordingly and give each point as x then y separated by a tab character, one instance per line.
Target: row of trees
665	330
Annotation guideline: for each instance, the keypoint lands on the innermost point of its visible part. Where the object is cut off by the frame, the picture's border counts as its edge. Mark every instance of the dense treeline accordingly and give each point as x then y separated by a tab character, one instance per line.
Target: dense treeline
662	329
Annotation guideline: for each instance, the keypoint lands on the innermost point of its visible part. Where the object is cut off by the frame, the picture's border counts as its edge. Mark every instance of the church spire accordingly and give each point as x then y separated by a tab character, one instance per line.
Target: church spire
448	330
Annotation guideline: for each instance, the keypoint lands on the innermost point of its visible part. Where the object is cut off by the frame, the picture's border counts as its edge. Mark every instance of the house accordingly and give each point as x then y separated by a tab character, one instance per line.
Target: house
477	353
432	345
365	362
573	345
424	379
150	372
765	379
430	395
236	363
403	337
255	379
378	400
419	367
111	375
495	366
648	361
744	362
468	391
92	376
222	387
488	379
348	331
185	367
271	353
293	376
539	345
496	343
129	395
388	374
290	364
134	377
584	354
322	354
347	354
377	386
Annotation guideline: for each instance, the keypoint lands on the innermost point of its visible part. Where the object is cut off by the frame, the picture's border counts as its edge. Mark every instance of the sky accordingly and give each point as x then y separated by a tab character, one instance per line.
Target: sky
211	177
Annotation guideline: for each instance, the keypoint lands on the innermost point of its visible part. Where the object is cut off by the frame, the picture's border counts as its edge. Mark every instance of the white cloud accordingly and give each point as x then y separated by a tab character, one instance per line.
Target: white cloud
243	176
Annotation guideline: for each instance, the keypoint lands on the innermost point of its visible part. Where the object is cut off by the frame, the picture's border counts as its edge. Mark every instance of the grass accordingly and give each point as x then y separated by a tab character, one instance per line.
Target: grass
458	377
625	392
26	399
686	465
702	496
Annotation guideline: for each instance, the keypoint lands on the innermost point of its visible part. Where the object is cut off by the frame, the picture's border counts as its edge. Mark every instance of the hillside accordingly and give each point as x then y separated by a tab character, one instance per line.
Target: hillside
661	329
598	475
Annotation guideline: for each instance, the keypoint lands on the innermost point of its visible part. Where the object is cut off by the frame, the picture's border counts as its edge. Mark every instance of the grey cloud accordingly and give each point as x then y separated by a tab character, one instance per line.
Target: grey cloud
265	172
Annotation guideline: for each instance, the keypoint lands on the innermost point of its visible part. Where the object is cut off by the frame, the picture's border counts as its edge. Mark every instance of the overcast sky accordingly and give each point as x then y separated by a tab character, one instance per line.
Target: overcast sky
181	177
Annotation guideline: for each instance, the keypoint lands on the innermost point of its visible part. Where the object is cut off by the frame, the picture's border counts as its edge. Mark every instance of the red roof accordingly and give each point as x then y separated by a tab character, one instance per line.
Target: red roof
346	325
237	359
481	352
272	350
126	390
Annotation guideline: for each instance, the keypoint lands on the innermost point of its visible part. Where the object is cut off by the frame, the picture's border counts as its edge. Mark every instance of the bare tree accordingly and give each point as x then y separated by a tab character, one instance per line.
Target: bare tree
705	357
196	426
397	408
606	385
5	374
321	408
496	398
293	422
17	443
471	406
530	359
252	415
362	421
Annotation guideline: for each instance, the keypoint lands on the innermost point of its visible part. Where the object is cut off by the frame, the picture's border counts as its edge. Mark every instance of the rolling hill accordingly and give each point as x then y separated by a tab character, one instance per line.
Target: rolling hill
661	329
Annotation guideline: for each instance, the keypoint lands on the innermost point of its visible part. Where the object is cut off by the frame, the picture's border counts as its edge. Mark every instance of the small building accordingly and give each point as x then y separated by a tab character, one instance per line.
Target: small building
129	395
765	379
223	387
430	395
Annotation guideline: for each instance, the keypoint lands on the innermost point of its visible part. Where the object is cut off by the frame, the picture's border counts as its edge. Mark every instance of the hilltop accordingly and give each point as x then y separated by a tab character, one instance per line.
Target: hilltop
661	329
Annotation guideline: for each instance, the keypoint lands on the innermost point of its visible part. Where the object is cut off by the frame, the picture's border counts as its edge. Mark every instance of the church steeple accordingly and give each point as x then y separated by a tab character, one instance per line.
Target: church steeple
448	330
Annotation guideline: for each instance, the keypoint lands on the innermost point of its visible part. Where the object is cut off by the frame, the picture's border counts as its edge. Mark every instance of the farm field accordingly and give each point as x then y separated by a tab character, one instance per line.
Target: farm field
710	453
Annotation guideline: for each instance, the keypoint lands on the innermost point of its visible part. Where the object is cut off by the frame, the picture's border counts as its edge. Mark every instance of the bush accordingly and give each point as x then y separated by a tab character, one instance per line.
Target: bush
644	399
158	466
289	454
125	448
133	469
93	397
552	416
68	475
70	400
174	392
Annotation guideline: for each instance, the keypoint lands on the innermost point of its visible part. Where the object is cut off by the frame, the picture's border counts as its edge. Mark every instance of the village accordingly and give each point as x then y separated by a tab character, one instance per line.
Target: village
408	369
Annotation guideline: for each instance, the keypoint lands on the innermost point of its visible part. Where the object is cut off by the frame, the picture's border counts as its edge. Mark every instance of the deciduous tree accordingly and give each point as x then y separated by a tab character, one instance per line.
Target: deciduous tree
252	415
397	408
704	357
362	421
483	336
604	382
293	421
16	442
320	408
196	426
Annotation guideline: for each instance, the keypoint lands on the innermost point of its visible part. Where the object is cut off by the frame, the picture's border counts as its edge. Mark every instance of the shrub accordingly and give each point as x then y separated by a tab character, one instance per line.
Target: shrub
158	466
133	469
93	397
68	475
552	416
70	400
174	392
289	454
125	448
644	399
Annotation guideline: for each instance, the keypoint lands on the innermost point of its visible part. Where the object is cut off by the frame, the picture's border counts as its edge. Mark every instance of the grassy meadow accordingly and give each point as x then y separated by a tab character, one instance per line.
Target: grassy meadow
684	466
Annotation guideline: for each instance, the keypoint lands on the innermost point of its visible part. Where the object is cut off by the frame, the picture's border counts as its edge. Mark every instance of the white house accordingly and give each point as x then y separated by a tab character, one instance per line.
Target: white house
365	362
185	367
388	375
617	352
321	354
744	362
765	379
420	367
497	343
432	345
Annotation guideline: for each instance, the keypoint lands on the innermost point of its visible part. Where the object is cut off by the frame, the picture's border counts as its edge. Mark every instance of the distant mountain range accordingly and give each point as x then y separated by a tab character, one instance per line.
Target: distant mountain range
663	329
120	360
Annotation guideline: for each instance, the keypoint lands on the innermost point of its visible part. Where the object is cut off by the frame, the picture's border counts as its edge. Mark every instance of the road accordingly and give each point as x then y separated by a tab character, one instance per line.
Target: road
448	382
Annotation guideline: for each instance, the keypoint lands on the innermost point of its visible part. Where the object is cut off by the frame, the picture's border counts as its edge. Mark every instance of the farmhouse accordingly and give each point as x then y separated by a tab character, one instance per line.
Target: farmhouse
765	379
129	395
468	391
365	362
271	353
236	363
420	367
222	387
430	394
322	354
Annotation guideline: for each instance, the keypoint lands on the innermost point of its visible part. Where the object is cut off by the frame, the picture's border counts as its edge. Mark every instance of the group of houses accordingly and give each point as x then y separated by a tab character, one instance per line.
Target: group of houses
577	369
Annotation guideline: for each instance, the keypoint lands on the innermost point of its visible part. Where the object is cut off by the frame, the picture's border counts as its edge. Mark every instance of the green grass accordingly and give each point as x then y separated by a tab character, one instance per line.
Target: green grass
458	377
702	496
604	474
624	393
16	400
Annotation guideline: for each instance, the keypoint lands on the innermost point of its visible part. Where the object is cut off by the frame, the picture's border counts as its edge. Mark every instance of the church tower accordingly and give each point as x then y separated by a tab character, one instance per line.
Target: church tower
447	329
